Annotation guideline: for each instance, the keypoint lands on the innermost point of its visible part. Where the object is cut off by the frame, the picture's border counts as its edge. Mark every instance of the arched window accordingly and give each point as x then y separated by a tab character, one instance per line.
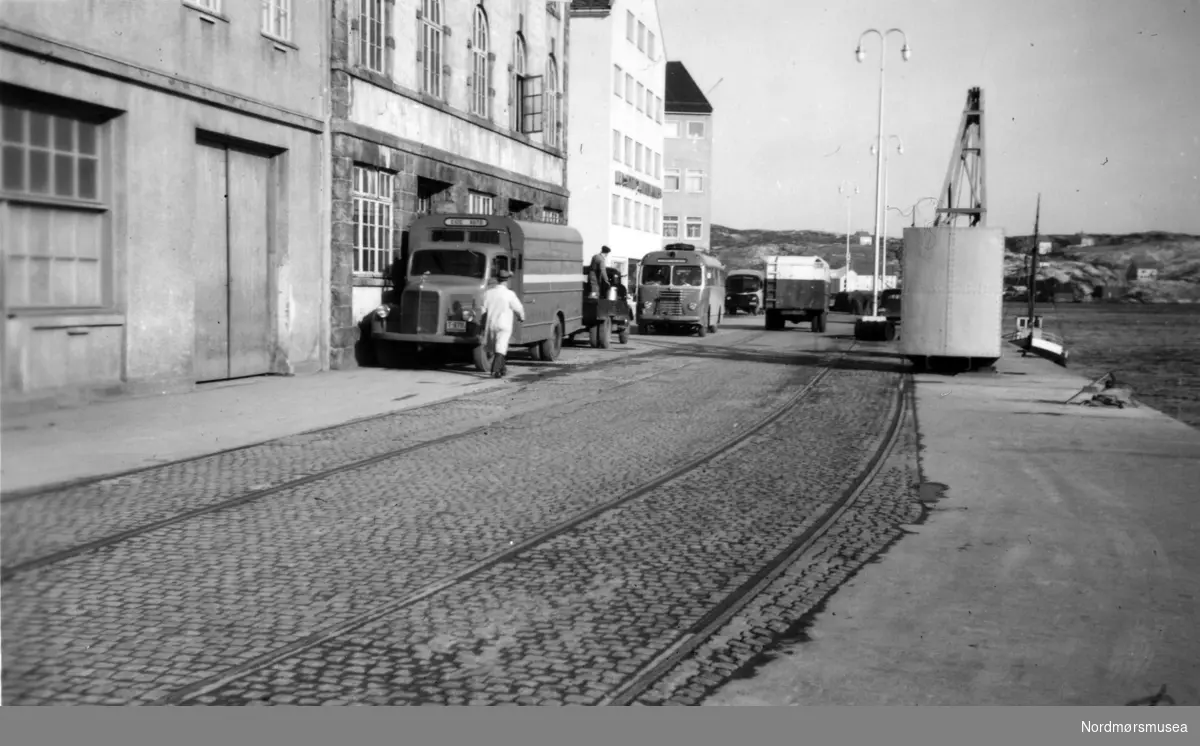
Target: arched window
480	79
553	126
514	85
431	47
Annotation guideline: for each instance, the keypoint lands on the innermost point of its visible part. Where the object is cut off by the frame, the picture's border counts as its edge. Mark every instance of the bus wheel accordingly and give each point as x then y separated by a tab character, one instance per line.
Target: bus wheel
703	330
481	358
549	349
604	336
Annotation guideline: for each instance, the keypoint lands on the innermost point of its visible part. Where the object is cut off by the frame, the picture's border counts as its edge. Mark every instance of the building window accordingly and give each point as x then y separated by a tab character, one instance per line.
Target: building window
639	158
277	18
671	181
431	47
527	94
641	95
371	35
56	251
695	227
629	151
654	228
641	37
628	212
658	109
658	165
616	146
618	77
650	44
695	129
672	129
628	88
552	216
695	181
670	226
616	209
479	203
553	126
629	25
480	79
373	195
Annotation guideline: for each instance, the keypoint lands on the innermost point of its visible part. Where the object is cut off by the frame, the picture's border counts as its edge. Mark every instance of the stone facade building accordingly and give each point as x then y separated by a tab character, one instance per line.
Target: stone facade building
437	106
163	196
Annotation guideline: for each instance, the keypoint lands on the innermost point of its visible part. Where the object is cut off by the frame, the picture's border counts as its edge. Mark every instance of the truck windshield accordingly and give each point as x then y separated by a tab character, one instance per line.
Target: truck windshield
460	262
743	284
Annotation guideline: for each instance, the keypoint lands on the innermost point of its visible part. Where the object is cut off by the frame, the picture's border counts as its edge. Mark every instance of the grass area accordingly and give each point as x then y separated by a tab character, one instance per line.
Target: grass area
1155	348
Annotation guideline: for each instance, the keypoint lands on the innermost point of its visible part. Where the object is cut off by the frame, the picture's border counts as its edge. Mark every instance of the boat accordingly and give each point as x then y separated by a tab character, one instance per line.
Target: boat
1029	335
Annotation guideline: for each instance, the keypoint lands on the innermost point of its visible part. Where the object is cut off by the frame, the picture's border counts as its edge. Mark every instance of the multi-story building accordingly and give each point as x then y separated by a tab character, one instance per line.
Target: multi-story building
616	119
164	179
438	106
687	171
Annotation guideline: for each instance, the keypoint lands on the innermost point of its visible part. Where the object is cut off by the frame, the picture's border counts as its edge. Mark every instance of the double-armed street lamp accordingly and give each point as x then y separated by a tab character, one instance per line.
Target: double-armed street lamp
843	188
861	55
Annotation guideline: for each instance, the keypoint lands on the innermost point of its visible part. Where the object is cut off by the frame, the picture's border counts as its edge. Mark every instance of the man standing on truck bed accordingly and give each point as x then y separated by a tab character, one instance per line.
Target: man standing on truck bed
598	273
499	305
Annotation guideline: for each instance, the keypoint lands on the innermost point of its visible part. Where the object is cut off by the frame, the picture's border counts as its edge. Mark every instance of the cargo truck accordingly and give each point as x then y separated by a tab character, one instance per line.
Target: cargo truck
796	289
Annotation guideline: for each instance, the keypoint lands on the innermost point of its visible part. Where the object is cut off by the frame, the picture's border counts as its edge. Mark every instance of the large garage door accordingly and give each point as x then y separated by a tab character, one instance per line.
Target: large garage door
233	324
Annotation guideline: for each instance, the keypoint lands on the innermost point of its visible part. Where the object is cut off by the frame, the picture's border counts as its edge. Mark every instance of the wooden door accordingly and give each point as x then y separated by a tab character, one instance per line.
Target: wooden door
210	264
232	302
249	302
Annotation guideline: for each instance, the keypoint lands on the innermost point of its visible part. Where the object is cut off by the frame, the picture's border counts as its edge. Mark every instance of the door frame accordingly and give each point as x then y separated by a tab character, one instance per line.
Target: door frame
277	233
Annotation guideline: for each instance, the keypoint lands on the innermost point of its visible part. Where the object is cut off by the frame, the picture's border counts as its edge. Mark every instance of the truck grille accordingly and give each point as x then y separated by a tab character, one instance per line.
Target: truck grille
670	303
419	313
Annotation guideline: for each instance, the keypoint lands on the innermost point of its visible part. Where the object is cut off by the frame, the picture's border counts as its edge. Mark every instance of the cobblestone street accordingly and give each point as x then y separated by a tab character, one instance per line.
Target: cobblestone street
554	541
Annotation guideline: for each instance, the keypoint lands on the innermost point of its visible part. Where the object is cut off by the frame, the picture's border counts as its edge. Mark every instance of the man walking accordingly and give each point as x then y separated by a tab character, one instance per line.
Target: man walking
499	305
598	273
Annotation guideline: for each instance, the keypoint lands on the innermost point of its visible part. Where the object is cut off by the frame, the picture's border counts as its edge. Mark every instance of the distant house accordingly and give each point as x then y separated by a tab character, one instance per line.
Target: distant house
1045	246
864	238
1086	240
1142	272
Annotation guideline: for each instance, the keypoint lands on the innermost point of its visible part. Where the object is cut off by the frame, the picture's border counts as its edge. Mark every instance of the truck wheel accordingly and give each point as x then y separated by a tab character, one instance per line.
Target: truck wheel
623	335
889	331
818	323
604	337
549	349
594	336
481	358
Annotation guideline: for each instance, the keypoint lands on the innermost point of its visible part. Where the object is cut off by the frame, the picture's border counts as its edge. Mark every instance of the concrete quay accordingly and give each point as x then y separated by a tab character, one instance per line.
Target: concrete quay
1058	564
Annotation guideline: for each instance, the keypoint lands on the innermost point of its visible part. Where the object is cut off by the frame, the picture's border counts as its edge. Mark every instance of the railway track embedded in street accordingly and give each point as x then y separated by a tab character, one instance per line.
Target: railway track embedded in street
26	565
638	681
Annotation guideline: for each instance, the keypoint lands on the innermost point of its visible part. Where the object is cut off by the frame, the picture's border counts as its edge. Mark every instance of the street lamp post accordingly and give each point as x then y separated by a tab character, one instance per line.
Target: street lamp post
881	257
914	208
849	195
905	53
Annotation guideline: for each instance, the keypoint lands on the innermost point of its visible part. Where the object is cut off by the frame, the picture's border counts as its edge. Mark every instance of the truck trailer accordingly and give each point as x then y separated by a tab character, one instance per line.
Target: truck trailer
796	289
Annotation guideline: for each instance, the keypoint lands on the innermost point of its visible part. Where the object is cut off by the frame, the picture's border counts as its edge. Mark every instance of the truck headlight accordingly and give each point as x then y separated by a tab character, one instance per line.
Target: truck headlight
691	306
753	301
382	312
468	315
646	305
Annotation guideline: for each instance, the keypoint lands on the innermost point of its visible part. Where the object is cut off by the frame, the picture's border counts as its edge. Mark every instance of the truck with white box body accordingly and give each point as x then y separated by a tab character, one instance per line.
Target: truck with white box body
796	290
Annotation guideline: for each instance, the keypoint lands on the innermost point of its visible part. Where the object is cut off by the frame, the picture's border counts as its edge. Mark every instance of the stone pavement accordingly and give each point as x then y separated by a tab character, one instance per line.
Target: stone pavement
1059	566
66	445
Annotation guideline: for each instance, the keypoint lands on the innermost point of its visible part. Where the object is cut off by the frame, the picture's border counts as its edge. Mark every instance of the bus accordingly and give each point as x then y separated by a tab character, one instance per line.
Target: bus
680	288
744	291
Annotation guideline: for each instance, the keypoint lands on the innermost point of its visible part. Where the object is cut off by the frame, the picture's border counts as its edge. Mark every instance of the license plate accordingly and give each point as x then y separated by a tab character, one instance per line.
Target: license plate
456	326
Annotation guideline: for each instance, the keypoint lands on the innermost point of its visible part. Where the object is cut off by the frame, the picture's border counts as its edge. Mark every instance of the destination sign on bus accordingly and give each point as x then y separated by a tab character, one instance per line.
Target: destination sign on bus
478	222
672	261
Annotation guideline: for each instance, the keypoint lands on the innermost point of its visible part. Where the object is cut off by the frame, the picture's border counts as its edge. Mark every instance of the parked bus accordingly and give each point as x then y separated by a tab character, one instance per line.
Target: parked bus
451	262
680	288
744	291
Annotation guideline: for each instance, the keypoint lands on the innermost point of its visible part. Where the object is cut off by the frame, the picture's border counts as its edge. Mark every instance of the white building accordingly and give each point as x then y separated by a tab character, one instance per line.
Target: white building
614	176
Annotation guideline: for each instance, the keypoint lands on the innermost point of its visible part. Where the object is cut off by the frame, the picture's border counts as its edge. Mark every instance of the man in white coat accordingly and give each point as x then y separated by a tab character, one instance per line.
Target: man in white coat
499	305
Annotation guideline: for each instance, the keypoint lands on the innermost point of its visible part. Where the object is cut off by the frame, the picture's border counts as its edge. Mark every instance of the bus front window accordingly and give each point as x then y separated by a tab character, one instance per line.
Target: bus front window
461	263
687	276
656	275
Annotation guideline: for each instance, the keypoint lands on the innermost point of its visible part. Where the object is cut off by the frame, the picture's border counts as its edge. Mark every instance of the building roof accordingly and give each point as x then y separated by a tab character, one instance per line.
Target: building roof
591	6
683	96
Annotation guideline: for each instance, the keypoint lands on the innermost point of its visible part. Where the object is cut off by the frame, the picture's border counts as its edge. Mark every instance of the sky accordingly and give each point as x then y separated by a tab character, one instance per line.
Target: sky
1093	103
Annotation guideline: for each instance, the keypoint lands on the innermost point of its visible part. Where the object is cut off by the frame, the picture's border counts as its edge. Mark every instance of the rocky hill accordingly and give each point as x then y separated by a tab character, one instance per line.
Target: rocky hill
1104	264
